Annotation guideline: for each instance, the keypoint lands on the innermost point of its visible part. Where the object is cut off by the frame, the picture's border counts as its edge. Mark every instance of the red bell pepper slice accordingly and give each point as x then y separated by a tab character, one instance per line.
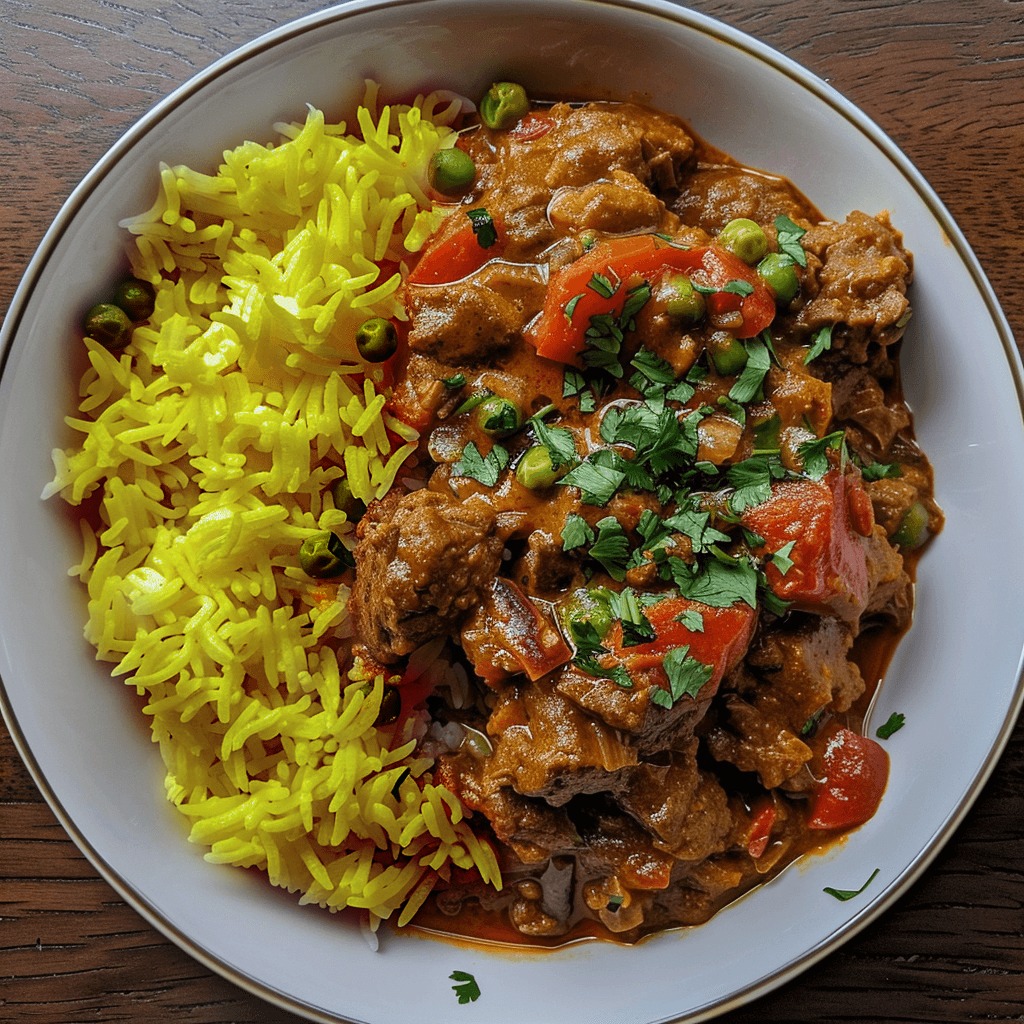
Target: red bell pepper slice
721	643
508	633
761	826
532	126
828	560
856	772
455	252
575	295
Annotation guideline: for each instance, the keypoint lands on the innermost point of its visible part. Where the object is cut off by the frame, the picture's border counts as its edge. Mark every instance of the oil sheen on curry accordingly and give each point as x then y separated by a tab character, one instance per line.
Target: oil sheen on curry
664	516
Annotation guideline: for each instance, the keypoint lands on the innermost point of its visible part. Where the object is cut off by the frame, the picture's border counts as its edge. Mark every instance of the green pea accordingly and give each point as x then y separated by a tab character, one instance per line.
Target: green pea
390	706
345	501
535	469
377	339
451	171
913	529
498	417
744	238
682	301
136	297
779	273
109	325
590	606
323	555
503	105
727	353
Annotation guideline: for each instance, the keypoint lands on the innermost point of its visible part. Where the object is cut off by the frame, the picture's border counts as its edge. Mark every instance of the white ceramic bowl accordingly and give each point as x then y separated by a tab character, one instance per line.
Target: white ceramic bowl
80	732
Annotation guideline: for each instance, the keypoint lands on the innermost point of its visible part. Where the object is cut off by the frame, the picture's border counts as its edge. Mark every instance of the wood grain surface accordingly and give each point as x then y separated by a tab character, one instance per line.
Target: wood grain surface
945	78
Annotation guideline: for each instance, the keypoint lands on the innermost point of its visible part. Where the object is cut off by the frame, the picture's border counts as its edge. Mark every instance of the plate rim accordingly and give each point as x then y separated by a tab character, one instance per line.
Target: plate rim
692	20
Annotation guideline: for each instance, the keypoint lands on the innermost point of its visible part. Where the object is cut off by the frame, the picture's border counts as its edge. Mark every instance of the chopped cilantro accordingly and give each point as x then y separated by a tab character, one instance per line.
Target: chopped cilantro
636	627
738	288
892	724
596	482
559	442
692	619
881	471
789	235
821	342
752	479
458	380
575	385
576	533
749	382
716	583
570	306
483	227
465	987
485	469
814	453
781	560
848	894
614	904
611	548
686	677
602	285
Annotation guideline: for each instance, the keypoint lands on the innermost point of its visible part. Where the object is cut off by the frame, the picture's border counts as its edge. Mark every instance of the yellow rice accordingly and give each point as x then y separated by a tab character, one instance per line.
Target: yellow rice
210	445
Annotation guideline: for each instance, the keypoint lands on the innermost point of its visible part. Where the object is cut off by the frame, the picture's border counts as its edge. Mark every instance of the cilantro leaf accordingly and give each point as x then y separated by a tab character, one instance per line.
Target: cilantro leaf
465	987
588	645
813	453
596	482
789	235
738	288
692	619
781	560
686	677
483	227
716	583
759	361
881	471
752	479
602	285
821	342
570	306
848	894
560	442
575	385
485	469
892	724
611	548
576	533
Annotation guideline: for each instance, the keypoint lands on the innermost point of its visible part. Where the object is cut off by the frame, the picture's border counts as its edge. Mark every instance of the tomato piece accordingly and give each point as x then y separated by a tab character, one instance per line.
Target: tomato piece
721	643
856	773
455	252
508	634
829	563
575	295
761	827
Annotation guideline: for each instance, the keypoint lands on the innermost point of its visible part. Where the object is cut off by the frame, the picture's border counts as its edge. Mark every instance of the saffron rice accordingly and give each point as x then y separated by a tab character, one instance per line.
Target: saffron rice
210	446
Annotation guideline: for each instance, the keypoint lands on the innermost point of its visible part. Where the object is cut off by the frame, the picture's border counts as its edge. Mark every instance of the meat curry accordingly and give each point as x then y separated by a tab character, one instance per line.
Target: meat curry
668	499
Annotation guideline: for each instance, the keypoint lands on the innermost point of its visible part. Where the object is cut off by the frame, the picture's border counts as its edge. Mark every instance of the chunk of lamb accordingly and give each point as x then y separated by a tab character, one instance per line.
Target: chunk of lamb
715	194
788	679
422	560
856	282
545	746
475	320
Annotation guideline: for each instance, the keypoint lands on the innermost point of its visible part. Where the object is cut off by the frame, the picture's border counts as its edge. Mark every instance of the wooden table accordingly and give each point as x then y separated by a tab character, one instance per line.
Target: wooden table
945	78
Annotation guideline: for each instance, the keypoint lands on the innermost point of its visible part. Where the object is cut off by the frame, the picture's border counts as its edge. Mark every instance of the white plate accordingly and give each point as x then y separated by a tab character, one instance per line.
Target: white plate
956	677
